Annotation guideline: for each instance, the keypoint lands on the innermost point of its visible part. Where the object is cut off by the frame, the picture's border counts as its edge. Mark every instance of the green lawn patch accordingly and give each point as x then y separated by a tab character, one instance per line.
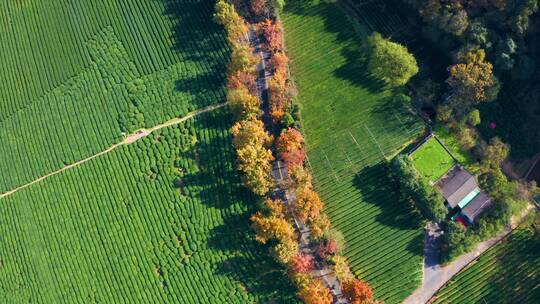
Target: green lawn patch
450	141
432	160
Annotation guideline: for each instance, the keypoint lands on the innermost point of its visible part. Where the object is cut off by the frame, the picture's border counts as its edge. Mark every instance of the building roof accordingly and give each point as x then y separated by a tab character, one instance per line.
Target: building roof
476	207
457	185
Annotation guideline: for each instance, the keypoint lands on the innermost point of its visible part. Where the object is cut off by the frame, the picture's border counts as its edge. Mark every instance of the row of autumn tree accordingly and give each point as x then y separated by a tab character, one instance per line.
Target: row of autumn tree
273	223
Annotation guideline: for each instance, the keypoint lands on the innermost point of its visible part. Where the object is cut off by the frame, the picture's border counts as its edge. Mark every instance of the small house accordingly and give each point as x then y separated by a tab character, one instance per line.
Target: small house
463	194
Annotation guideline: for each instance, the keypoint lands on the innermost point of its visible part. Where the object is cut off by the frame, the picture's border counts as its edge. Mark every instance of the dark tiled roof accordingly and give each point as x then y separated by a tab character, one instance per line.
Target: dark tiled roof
456	185
476	207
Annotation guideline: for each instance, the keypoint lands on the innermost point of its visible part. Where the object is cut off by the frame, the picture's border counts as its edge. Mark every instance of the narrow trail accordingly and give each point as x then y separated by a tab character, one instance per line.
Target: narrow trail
436	275
281	178
141	133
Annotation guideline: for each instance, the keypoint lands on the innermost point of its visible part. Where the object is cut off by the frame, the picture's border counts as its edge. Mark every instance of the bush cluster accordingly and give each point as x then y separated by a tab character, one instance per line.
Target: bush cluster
415	189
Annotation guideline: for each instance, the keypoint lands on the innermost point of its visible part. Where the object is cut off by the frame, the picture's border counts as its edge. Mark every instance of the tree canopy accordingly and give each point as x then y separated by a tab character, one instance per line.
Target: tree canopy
390	61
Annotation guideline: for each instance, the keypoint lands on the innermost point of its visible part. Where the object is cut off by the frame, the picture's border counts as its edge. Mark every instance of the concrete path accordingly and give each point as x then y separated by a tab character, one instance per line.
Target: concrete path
282	181
128	140
435	275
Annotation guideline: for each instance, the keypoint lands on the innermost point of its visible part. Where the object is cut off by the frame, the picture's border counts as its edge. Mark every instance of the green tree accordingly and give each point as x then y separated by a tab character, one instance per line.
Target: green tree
390	61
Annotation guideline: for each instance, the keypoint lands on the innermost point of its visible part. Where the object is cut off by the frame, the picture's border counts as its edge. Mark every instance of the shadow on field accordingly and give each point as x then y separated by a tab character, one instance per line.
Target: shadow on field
354	70
377	188
218	186
199	40
249	262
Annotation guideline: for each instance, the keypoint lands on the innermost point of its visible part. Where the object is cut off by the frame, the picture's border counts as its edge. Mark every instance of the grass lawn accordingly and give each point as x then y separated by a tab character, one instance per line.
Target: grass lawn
351	125
432	160
450	141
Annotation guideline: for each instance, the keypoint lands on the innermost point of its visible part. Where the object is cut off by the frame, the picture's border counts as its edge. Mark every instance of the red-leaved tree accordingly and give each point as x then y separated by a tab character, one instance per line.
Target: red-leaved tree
302	263
357	291
273	33
258	7
326	248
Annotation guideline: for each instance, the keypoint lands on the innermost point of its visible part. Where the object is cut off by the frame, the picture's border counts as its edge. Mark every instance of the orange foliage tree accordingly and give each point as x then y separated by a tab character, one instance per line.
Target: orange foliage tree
243	80
290	148
279	61
315	293
357	291
289	140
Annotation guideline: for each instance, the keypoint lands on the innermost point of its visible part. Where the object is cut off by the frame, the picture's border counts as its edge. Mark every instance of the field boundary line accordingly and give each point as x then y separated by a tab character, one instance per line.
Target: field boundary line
131	138
376	142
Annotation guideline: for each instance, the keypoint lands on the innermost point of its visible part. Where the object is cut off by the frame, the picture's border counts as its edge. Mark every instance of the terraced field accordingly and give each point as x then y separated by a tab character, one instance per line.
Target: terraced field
75	75
352	125
507	273
164	220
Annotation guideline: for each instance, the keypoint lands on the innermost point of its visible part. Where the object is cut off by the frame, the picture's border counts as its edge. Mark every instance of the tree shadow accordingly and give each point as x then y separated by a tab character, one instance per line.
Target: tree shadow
217	185
354	69
198	39
377	188
250	263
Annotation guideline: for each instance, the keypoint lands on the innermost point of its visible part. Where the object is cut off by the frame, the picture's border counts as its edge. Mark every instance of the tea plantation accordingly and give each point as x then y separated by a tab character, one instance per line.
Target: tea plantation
164	220
506	273
352	124
75	75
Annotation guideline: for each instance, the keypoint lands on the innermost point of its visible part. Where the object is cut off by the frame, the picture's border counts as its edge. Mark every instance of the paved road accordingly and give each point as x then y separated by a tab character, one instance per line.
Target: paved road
435	276
128	140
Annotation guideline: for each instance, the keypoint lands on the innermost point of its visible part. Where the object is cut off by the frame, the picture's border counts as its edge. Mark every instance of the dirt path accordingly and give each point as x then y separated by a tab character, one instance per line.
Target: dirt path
128	140
436	276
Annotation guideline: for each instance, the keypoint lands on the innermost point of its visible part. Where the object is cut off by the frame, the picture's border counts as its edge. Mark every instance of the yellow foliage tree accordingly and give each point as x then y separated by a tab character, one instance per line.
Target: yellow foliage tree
243	105
226	15
242	59
308	205
471	80
315	293
271	228
250	132
285	251
341	269
255	162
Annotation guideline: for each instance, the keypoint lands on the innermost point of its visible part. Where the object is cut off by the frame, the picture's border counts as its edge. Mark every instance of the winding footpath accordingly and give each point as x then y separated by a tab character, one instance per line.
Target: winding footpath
141	133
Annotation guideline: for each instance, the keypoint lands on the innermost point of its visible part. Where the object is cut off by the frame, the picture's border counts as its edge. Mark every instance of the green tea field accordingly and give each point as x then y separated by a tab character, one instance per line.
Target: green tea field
352	124
507	273
76	75
164	220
